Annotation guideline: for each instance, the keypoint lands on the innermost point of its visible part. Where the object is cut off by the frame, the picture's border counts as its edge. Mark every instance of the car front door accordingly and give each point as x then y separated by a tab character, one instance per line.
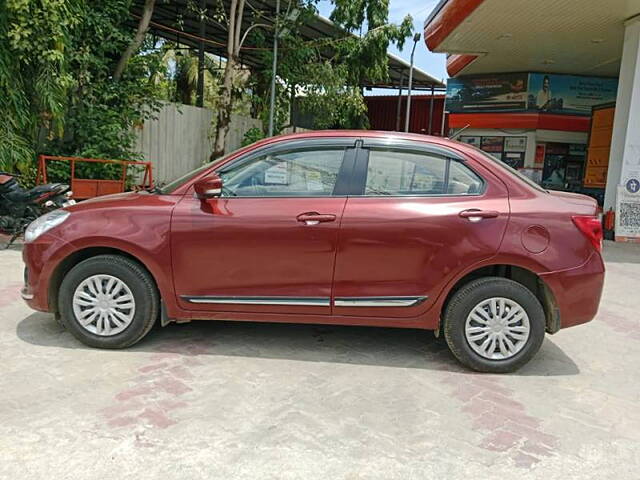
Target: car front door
419	216
268	244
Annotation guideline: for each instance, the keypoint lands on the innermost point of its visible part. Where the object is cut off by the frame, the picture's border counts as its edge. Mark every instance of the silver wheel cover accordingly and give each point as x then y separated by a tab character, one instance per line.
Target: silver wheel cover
103	305
497	328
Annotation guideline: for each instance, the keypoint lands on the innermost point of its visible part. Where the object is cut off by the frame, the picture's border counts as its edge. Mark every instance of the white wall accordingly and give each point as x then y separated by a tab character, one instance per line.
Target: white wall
180	139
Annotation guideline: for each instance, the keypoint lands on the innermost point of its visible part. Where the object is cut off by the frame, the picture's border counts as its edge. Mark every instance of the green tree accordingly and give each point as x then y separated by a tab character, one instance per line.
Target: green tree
179	79
325	75
367	55
34	74
60	94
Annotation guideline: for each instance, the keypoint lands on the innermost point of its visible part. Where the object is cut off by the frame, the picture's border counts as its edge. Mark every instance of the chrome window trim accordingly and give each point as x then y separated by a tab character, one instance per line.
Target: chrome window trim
330	143
286	301
378	301
392	143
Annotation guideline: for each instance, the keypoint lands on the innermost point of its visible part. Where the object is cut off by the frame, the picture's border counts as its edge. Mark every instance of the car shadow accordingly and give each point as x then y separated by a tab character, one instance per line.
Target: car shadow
388	347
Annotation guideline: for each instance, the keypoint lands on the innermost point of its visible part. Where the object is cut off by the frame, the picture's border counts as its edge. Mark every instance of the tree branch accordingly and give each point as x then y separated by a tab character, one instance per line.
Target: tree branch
143	26
238	31
244	37
231	34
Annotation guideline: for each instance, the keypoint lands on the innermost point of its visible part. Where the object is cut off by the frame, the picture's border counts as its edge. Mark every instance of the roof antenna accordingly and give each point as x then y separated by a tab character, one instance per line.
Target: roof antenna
457	134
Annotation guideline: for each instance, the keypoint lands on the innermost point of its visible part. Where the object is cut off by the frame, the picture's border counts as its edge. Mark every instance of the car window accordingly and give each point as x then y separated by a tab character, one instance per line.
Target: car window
463	181
178	182
404	173
396	172
296	173
511	170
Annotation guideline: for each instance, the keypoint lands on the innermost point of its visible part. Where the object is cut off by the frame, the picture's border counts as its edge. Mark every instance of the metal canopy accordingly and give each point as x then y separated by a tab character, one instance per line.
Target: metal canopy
175	22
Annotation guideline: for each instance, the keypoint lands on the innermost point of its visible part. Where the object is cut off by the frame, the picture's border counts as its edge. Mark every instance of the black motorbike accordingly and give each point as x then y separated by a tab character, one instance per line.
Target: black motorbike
19	207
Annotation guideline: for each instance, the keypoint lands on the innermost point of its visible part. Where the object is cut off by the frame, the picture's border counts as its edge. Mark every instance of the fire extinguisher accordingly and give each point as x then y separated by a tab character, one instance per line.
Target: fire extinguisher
609	224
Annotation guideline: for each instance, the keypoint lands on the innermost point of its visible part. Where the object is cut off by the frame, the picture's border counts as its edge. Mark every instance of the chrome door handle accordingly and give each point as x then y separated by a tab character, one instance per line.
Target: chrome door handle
475	215
314	218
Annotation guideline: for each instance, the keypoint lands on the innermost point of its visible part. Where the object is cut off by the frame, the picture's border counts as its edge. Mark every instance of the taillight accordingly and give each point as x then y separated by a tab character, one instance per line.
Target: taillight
591	227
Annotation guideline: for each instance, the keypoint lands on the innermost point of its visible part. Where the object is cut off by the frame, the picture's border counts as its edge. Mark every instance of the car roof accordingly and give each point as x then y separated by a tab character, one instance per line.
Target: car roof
357	134
461	147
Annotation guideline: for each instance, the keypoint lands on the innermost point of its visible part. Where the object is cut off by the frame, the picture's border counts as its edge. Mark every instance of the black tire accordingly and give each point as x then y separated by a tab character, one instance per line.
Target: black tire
470	295
138	281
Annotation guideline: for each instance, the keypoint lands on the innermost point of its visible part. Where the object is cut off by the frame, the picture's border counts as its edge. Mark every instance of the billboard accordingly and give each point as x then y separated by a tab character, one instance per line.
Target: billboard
487	93
569	94
520	92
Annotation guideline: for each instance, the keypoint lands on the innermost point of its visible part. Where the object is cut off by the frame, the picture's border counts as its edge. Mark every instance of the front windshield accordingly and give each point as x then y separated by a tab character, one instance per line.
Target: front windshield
170	187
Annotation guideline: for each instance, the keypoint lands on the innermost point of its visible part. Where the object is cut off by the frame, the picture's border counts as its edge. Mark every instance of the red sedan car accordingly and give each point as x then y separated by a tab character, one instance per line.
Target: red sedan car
334	227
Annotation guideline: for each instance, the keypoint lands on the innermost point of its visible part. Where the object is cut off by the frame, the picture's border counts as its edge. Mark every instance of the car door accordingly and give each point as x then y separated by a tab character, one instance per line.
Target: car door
419	215
268	243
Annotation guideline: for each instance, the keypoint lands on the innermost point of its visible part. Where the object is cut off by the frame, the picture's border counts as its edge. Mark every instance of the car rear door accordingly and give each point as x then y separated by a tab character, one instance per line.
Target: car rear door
268	244
419	214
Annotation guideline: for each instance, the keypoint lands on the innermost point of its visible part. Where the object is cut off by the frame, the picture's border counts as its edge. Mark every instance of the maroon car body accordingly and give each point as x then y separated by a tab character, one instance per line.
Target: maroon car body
360	247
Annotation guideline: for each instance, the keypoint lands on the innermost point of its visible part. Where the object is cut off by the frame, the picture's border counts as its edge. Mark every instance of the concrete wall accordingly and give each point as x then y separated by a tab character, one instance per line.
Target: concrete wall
180	139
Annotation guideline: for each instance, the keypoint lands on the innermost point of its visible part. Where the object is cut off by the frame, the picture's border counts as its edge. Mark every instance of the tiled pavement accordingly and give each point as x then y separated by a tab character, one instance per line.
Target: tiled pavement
224	400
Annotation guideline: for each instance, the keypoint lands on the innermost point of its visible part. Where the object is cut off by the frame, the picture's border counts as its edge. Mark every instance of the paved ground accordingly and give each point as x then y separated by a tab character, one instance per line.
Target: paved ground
223	400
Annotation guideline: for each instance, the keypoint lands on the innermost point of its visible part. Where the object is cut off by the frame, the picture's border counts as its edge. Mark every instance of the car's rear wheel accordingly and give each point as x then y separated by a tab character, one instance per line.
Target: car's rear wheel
494	325
108	301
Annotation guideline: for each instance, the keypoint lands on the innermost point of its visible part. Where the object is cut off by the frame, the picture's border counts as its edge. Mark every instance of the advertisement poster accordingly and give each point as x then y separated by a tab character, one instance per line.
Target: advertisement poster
515	144
569	94
487	93
519	92
492	144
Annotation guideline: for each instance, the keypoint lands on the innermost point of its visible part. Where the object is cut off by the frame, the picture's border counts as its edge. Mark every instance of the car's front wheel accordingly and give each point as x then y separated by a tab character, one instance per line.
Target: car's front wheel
494	325
108	301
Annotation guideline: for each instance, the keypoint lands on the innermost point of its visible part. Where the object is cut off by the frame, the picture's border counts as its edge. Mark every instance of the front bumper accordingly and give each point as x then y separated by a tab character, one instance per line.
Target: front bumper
577	291
41	258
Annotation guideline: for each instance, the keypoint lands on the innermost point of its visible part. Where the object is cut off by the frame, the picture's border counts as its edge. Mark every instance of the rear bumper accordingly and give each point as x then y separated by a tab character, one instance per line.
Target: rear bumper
577	291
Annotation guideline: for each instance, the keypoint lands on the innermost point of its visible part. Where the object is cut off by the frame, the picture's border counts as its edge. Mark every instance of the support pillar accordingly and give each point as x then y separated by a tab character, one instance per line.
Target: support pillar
624	157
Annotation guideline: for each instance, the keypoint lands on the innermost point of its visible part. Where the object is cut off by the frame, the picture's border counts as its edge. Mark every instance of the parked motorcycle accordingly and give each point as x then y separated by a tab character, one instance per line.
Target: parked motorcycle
19	207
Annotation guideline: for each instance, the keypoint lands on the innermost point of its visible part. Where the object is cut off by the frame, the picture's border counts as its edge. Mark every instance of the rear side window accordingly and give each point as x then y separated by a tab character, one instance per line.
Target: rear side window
393	172
462	180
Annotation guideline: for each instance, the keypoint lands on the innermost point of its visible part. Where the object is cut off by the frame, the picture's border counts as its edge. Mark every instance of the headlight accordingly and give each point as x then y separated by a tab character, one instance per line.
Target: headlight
44	223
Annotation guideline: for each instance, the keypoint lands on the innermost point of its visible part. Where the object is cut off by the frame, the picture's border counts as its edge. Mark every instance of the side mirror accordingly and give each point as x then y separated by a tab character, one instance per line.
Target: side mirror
208	187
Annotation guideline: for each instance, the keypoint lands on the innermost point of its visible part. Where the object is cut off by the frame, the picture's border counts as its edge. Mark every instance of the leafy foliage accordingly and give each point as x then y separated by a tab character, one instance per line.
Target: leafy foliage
328	90
34	76
57	59
367	55
178	77
253	135
56	63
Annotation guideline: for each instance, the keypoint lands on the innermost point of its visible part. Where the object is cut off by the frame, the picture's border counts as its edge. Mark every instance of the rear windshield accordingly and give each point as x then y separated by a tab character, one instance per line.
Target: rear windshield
511	170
